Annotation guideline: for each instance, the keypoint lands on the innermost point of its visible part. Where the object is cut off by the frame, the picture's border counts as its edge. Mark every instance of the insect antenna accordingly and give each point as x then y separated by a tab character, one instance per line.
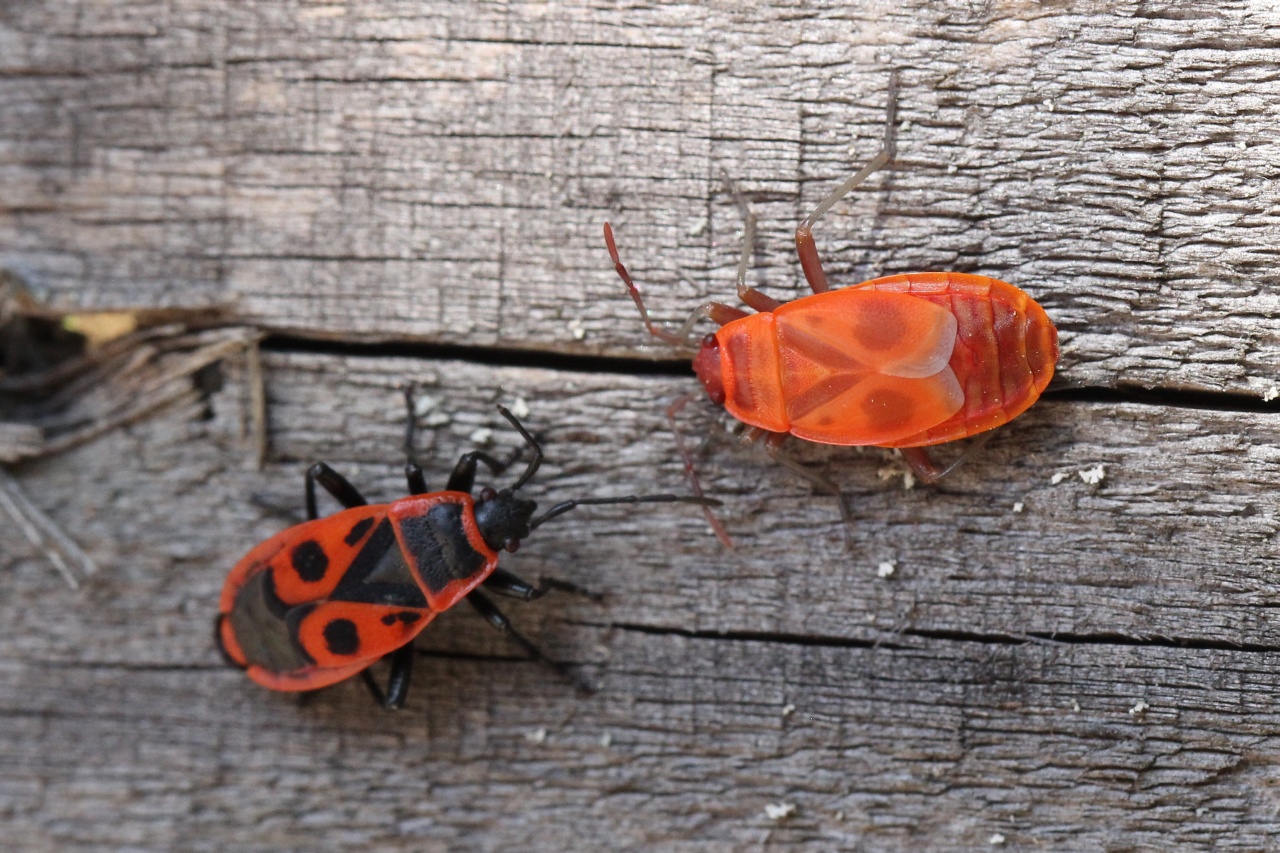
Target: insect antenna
565	506
536	461
676	340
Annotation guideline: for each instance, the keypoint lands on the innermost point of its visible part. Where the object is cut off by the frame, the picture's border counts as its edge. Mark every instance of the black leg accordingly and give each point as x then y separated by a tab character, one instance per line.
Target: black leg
502	582
417	482
335	484
374	690
464	473
397	681
410	433
412	472
494	617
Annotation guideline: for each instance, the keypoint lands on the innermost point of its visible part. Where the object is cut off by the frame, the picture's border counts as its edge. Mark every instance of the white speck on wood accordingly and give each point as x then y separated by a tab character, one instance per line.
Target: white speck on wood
1093	476
779	811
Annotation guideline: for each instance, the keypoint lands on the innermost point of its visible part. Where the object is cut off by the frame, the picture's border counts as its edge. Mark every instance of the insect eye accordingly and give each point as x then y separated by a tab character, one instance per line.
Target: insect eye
511	545
488	493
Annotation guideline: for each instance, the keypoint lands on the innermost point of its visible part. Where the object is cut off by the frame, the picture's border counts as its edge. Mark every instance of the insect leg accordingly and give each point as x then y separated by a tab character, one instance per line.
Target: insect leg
464	473
397	680
717	312
690	471
494	617
417	482
773	446
333	483
928	471
502	582
412	471
805	246
756	299
374	690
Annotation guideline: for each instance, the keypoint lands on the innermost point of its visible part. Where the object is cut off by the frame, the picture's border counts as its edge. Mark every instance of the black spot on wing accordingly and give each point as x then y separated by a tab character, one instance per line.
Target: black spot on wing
358	530
406	617
310	561
341	637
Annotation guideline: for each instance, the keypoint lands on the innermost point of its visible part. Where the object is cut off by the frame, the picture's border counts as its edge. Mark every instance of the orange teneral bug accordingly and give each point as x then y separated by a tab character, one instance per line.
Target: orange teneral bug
904	361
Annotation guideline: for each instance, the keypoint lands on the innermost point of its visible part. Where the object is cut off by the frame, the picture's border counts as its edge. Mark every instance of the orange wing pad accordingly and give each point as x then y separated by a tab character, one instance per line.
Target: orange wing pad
866	367
891	333
750	367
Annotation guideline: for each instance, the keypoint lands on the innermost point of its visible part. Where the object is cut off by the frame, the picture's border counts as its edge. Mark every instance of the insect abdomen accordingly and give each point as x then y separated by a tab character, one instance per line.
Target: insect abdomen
1006	348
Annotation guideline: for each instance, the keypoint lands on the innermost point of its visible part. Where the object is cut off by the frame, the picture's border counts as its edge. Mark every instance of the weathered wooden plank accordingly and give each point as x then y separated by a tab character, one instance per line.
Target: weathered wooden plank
942	746
931	708
1177	541
440	173
1063	665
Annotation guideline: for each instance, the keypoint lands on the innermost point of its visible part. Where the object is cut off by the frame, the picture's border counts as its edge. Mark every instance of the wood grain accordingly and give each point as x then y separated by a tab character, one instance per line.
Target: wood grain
1069	644
435	174
935	707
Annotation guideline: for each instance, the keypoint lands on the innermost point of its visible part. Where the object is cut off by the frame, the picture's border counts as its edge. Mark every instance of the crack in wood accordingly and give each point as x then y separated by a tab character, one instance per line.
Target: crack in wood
956	636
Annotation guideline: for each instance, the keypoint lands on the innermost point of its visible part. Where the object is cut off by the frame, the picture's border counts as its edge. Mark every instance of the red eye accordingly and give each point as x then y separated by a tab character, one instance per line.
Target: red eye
511	545
487	494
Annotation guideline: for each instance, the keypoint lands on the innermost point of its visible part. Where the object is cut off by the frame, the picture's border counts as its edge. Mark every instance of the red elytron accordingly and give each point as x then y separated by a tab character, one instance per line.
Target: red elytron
903	361
326	599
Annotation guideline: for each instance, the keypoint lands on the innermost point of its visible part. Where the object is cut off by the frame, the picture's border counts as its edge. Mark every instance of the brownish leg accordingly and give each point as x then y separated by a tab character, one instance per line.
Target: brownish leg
692	472
773	444
756	299
928	471
805	246
717	312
